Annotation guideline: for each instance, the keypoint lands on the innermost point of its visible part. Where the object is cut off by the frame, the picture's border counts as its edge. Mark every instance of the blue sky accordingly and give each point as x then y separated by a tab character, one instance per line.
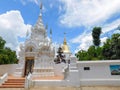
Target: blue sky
75	17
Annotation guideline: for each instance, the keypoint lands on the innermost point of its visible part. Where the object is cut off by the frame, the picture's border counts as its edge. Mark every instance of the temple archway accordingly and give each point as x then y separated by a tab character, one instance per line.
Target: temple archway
29	65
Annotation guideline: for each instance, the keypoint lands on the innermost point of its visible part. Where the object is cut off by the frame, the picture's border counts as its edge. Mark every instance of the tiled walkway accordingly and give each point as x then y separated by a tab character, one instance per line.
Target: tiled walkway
59	88
67	88
49	78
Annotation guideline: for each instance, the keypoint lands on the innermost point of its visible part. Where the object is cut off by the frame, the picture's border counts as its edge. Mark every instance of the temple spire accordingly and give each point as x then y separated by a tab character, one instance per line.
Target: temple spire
65	42
51	34
65	47
39	30
41	6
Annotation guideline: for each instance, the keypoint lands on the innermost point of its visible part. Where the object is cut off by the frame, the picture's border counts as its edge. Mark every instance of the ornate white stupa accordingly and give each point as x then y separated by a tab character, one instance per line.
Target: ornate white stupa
37	53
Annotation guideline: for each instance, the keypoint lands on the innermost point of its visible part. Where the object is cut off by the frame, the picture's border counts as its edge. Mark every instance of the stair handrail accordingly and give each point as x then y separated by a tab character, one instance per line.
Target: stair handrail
66	70
28	81
3	78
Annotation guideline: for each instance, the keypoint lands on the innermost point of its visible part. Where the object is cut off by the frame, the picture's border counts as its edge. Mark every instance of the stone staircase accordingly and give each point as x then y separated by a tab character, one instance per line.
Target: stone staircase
13	83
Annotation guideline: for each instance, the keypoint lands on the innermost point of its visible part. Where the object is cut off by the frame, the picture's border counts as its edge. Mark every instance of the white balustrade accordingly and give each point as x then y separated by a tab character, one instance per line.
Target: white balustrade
28	81
3	78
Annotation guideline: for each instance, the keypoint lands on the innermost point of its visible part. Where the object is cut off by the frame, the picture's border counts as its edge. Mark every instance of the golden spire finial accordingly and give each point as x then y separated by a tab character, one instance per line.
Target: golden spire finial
65	46
65	42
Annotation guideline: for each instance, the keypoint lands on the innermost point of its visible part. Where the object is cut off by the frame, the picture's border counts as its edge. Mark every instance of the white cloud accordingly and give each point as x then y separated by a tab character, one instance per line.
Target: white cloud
111	26
12	26
85	40
51	5
35	1
23	2
88	12
103	39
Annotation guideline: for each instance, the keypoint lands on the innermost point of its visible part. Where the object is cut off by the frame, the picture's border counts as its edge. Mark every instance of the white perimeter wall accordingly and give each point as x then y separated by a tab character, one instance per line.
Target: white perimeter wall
99	73
8	68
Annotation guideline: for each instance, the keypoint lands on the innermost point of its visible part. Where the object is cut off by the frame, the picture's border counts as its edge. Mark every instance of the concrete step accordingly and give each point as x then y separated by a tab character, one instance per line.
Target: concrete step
12	86
16	79
13	83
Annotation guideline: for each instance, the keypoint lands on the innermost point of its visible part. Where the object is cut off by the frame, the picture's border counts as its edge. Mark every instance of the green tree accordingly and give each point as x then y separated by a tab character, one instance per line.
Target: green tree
115	46
109	51
92	52
7	56
111	48
2	43
99	55
95	53
82	55
96	35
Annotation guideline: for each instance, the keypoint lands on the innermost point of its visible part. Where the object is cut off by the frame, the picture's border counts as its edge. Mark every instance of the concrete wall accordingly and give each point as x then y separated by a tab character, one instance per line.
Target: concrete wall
9	68
99	73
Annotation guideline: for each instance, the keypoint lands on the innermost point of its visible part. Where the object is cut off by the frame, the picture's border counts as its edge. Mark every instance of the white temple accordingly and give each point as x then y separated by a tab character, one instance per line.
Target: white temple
37	54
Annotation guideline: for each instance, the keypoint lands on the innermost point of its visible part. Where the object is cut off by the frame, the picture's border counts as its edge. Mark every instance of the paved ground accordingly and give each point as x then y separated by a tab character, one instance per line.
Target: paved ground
66	88
63	88
49	78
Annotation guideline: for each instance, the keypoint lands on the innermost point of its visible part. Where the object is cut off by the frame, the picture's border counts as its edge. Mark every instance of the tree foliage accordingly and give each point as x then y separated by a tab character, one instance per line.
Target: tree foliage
7	56
111	48
91	54
109	51
96	35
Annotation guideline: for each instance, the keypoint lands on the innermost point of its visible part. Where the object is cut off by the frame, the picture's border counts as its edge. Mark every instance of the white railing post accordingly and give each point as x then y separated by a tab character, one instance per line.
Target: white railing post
65	71
28	81
3	78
